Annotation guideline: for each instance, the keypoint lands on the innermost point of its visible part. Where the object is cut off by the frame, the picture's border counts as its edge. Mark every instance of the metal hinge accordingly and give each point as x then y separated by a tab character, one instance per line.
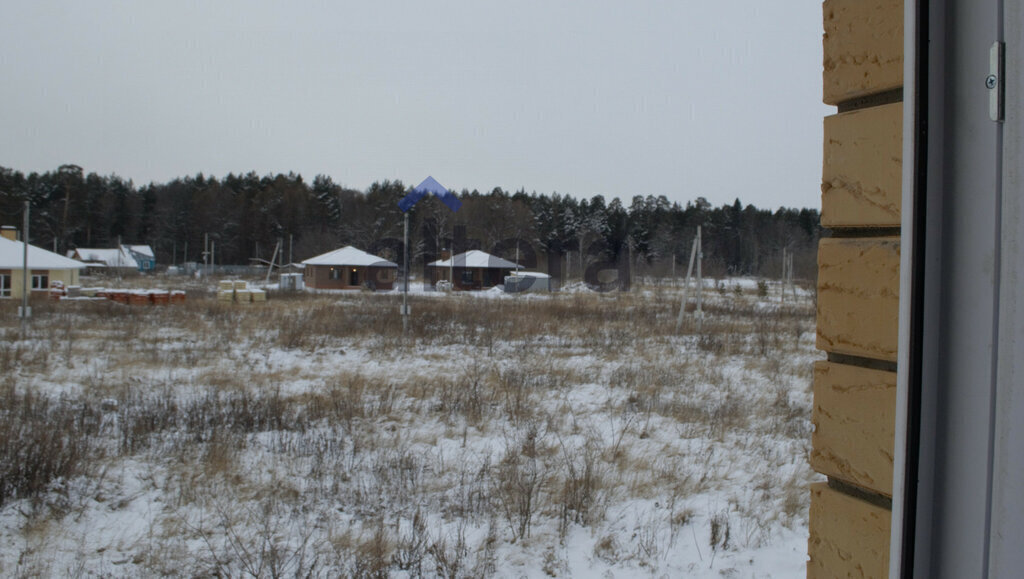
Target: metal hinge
994	82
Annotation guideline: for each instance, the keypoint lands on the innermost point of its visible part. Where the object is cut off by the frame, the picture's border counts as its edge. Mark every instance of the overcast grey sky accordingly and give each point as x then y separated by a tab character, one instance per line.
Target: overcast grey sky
682	98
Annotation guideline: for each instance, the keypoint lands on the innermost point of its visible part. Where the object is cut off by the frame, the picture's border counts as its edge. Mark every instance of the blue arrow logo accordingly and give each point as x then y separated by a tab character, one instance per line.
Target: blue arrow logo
431	186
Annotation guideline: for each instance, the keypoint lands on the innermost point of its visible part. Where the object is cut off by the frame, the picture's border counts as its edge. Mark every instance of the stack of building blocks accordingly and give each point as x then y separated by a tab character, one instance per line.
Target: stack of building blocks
226	291
239	291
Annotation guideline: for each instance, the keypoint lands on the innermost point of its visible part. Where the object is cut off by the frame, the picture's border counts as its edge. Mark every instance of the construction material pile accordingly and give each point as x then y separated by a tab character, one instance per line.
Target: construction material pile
239	291
143	297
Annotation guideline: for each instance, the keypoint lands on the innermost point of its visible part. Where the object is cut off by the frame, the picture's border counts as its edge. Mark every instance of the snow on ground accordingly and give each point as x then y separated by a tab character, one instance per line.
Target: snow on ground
572	434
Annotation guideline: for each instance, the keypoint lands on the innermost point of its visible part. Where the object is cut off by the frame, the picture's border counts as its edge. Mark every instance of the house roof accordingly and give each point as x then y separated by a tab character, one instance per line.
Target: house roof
476	258
143	250
349	255
12	257
107	256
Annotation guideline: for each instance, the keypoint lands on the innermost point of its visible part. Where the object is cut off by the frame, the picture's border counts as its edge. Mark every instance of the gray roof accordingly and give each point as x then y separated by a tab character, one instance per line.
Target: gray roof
349	255
476	258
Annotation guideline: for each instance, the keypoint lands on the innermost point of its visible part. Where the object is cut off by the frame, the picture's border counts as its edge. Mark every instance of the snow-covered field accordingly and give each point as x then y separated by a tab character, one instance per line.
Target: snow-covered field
573	434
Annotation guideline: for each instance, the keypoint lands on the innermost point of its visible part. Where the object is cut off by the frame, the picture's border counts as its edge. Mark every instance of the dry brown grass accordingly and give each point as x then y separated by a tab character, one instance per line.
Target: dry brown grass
474	419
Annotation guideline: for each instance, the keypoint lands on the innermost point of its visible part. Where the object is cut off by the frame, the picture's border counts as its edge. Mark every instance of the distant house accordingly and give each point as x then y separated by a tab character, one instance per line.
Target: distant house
122	258
349	268
143	256
472	270
45	267
104	260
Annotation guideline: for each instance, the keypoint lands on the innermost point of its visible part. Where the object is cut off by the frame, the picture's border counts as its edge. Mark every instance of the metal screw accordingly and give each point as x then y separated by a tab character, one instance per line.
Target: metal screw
991	81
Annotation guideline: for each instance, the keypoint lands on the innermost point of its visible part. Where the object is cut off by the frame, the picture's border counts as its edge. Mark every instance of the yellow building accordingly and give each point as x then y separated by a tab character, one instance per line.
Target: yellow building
45	267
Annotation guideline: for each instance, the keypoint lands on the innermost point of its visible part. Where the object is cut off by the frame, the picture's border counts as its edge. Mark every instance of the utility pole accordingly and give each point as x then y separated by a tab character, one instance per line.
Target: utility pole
787	273
785	265
629	258
270	268
405	290
700	283
696	255
25	312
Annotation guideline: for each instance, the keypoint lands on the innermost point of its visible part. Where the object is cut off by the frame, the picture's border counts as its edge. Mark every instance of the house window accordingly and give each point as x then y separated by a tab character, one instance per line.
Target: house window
353	278
5	285
40	281
467	277
335	273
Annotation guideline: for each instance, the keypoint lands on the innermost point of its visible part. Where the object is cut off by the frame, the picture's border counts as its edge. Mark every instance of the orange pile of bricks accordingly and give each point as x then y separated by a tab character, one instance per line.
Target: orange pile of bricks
122	296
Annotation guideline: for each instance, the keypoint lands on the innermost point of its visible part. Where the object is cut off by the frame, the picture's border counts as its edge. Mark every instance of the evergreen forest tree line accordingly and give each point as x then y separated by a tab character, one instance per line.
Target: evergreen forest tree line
246	216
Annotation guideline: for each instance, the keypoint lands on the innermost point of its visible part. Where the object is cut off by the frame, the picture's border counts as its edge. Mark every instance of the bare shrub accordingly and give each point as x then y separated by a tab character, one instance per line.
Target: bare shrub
464	396
411	546
514	388
450	557
373	556
721	531
645	537
607	549
518	483
727	415
344	398
580	487
43	441
267	539
486	560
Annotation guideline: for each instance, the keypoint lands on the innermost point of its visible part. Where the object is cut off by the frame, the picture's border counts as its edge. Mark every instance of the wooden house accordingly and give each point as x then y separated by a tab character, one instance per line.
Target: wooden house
143	256
121	259
101	260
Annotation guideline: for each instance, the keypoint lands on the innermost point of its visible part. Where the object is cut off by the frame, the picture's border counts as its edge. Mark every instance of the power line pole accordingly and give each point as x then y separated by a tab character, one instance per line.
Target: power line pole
25	311
695	254
405	290
787	274
700	283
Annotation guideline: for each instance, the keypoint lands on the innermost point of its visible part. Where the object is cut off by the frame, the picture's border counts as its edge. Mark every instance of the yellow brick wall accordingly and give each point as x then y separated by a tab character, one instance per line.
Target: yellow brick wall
862	165
68	276
858	289
863	48
850	537
858	296
854	417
